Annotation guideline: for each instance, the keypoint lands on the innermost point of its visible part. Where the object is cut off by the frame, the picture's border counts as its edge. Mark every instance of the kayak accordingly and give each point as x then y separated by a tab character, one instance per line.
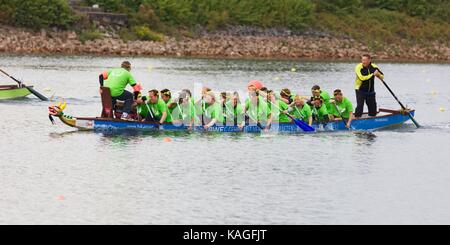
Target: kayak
385	119
13	92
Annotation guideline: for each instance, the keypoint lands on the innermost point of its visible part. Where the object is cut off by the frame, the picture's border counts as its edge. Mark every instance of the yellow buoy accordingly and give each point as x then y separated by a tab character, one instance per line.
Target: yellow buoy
277	79
293	70
442	109
433	92
150	68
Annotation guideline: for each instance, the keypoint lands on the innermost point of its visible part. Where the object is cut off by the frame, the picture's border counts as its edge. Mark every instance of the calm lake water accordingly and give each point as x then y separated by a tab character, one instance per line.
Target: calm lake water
57	175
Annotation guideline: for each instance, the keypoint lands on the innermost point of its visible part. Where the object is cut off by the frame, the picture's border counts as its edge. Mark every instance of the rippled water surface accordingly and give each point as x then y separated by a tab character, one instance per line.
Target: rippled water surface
57	175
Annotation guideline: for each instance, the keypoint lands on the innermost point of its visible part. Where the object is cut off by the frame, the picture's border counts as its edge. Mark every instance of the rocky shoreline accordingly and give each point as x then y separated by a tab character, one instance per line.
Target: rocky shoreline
224	45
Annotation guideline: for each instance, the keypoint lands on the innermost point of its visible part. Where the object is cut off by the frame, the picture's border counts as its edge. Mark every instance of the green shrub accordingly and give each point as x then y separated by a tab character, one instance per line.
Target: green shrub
7	9
146	16
127	35
144	33
89	35
43	13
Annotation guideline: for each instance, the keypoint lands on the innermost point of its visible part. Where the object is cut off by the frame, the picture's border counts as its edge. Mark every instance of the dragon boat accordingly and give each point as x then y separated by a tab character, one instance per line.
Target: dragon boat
386	118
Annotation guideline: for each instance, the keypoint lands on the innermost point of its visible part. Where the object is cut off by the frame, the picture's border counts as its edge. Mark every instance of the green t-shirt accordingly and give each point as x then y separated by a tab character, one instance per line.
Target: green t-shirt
321	113
257	112
142	110
168	104
326	99
304	113
158	109
183	112
277	115
117	81
345	107
232	113
211	112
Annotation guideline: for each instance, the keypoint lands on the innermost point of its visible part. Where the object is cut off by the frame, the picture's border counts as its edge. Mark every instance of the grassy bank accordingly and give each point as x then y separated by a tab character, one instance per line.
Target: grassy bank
374	22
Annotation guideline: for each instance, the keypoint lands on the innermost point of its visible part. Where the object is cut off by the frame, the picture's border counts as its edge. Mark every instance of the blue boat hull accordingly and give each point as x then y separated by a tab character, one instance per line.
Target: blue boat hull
365	124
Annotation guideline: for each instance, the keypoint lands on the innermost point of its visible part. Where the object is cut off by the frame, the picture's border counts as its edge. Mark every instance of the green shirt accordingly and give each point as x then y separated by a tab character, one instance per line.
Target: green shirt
277	113
326	99
168	103
118	79
231	113
258	112
210	112
303	113
158	109
345	107
320	114
183	112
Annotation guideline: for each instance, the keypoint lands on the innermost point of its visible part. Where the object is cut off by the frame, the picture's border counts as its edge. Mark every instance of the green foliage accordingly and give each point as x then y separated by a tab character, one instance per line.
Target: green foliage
380	26
42	13
338	6
372	21
7	8
146	16
144	33
294	14
89	35
438	9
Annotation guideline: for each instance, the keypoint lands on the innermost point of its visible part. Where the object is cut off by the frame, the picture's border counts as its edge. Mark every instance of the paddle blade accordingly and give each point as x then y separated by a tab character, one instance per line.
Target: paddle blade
37	94
414	120
305	127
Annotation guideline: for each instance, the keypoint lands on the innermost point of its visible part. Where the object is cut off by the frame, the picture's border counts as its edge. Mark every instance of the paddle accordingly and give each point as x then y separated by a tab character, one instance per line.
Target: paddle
151	113
257	122
340	114
304	126
403	107
40	96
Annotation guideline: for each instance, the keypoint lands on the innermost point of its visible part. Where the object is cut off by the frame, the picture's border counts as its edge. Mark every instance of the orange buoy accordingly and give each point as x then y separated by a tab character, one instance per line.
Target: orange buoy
167	139
61	198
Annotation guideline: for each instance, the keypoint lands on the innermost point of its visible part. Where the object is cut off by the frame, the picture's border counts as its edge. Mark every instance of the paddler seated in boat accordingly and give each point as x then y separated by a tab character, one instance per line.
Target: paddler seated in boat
224	98
341	108
278	109
116	80
316	91
184	113
286	96
210	112
189	95
234	110
264	92
200	103
256	111
166	96
299	109
319	110
156	109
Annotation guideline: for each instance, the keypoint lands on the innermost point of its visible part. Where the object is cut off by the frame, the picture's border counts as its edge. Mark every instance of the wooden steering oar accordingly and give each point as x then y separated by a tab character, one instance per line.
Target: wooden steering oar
400	103
40	96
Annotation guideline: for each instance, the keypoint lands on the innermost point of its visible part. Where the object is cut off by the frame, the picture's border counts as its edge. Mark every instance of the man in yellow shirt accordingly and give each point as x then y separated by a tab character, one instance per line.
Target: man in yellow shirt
366	72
